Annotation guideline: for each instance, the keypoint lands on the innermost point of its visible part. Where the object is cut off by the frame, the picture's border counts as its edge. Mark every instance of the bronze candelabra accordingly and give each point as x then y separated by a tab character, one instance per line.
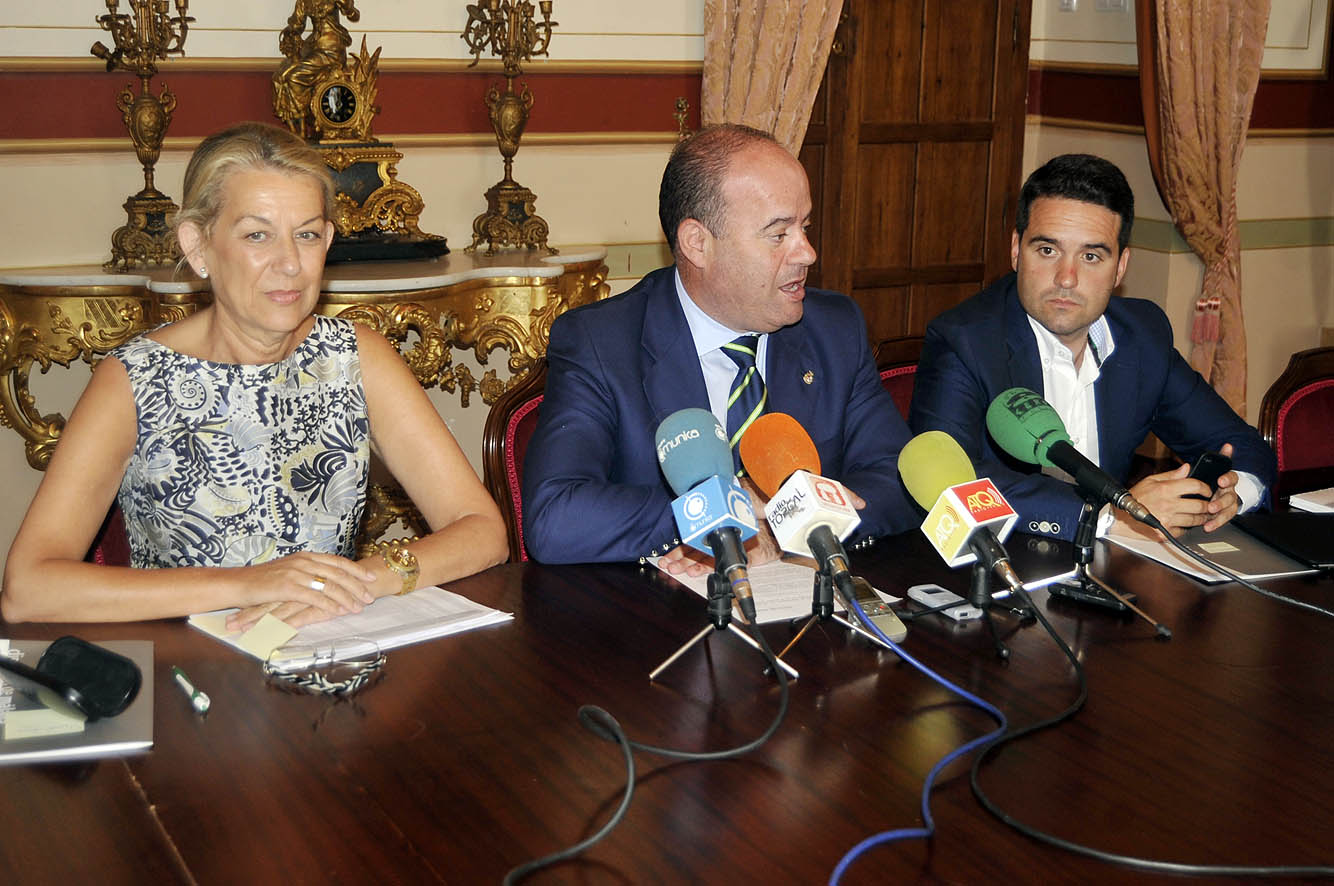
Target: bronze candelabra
509	29
142	37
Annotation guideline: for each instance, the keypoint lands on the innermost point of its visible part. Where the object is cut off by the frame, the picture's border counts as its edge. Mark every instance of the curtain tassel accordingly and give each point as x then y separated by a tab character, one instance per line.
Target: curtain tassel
1205	326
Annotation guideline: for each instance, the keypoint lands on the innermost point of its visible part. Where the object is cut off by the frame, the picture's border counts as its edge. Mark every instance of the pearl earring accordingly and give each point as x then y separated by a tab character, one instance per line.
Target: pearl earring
203	272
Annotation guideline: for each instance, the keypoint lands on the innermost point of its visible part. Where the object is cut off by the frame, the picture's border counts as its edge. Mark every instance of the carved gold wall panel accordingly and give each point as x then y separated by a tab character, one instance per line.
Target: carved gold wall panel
48	323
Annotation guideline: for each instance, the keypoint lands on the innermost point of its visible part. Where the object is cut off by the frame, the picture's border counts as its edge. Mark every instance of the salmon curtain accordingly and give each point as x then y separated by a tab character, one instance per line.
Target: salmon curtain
1199	66
763	62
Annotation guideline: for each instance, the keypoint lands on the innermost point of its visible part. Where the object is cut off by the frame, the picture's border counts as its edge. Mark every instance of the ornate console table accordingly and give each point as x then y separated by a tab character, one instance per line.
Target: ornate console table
478	303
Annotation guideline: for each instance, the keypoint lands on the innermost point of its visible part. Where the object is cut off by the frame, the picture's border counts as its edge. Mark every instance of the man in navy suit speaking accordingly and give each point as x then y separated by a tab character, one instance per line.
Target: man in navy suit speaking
1107	365
735	206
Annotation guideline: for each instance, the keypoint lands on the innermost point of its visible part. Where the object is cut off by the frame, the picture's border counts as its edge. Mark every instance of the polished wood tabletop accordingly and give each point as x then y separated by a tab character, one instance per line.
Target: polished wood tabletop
467	757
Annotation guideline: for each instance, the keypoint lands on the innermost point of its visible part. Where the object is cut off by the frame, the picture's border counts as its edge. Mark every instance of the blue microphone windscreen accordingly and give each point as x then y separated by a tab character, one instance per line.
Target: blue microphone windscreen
692	447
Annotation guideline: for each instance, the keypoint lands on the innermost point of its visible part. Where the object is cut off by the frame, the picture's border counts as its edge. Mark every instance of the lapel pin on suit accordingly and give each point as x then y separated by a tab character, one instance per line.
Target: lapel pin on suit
809	377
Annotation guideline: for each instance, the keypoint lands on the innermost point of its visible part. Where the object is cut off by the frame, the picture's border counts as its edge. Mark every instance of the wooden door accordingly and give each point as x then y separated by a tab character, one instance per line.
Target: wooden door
914	154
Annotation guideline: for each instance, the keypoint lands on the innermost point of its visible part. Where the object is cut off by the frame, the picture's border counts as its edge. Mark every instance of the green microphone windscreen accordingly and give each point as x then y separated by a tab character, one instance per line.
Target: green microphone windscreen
932	462
1025	425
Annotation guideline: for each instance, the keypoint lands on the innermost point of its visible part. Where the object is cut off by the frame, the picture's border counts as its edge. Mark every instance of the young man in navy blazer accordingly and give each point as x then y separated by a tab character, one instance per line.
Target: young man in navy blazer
735	206
1106	364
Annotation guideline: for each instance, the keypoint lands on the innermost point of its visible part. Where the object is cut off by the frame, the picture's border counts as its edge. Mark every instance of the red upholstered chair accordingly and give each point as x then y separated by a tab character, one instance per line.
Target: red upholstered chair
896	358
1297	420
509	427
111	547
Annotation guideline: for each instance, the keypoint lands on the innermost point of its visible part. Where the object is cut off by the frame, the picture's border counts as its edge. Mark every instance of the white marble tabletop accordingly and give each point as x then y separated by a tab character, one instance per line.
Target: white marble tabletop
374	276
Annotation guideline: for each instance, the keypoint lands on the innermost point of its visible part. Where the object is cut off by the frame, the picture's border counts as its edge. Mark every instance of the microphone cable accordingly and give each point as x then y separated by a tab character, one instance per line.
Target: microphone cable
604	726
929	825
1146	864
1003	737
1232	576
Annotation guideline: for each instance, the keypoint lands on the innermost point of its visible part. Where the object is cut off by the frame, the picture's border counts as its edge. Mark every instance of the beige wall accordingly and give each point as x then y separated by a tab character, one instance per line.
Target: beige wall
1285	200
591	193
418	29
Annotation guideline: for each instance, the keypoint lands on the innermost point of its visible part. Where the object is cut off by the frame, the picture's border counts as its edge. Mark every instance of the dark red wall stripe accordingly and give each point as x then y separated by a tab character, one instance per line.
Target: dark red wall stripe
1114	98
82	104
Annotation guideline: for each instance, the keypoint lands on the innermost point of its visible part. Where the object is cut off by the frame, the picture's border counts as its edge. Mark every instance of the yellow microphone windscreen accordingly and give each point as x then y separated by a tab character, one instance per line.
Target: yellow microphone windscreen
932	462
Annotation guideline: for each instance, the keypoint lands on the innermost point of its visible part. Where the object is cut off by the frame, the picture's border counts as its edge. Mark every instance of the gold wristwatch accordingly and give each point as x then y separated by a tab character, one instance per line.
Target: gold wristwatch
403	563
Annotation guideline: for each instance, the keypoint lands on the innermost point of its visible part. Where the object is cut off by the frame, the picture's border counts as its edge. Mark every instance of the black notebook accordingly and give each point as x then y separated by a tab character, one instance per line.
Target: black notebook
1308	538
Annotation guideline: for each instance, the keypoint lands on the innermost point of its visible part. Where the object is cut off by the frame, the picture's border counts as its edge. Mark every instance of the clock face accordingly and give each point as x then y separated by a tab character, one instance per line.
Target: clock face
338	103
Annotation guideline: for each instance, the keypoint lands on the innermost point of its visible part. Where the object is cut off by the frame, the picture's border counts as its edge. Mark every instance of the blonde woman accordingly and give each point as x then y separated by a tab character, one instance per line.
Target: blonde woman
237	441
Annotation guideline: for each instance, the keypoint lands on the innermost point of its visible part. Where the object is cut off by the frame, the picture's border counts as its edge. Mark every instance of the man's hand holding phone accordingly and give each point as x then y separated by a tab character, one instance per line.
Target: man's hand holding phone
1214	469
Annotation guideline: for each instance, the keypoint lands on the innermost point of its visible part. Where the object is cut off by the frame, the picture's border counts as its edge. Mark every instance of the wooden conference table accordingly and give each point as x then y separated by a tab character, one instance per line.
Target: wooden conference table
467	758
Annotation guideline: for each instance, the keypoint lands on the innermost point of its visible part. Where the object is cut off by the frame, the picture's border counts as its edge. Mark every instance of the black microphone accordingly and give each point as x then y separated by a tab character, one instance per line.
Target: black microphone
1028	428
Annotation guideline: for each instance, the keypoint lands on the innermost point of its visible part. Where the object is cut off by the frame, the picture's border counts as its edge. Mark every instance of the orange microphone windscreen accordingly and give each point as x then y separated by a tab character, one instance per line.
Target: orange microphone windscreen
773	447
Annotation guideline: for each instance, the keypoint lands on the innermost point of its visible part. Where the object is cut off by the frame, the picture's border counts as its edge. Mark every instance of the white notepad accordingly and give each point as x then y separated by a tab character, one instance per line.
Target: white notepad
1321	501
387	623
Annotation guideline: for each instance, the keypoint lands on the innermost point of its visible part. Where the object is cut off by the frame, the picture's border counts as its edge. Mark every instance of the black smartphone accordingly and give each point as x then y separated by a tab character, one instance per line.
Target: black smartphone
91	680
1207	469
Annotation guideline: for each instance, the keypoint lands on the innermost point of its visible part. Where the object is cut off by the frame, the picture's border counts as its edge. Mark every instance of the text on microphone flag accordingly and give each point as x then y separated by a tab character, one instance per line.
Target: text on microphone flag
960	511
984	501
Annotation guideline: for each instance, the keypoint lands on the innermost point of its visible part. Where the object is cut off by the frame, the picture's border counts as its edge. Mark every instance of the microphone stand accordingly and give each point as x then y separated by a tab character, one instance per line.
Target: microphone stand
981	596
1086	587
822	610
720	619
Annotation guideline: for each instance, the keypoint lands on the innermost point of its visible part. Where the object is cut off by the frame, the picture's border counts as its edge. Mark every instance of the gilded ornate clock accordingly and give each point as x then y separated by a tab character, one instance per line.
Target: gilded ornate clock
328	97
337	104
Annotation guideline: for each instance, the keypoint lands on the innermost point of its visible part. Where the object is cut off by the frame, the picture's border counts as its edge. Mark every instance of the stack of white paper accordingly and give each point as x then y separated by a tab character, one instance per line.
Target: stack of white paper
387	623
1321	501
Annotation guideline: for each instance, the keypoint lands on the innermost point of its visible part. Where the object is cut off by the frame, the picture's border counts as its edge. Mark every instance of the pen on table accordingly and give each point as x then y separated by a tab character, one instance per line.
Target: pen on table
198	699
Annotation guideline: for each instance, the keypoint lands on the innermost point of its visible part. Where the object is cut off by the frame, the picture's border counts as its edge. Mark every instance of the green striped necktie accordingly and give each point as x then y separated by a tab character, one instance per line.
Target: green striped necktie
746	401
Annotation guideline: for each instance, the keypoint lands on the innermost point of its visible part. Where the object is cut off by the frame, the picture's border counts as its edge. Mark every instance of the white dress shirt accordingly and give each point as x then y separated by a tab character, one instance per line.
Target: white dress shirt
710	336
1070	392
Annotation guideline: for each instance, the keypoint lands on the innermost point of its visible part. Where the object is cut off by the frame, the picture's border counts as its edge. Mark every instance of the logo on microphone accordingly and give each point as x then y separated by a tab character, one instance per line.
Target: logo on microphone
829	491
667	445
1023	402
983	501
738	504
695	505
947	523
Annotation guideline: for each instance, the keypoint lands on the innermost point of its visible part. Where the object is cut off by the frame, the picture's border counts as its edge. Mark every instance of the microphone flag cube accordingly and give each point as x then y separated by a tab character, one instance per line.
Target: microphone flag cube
962	510
805	501
712	505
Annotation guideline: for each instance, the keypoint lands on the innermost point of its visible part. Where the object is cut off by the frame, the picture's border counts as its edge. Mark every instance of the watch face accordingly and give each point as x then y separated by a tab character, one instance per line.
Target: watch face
338	103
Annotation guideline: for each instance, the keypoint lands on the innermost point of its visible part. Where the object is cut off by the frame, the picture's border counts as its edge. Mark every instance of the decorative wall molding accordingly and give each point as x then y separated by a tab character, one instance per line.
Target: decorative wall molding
454	140
1138	129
